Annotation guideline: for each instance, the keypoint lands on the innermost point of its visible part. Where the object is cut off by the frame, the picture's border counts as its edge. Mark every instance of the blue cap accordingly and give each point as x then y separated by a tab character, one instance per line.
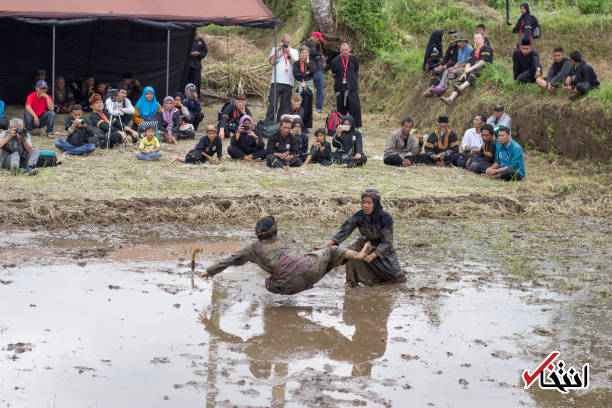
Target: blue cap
42	84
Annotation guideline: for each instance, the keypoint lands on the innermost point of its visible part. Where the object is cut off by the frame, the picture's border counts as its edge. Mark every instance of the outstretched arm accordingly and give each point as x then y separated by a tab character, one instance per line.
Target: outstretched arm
237	259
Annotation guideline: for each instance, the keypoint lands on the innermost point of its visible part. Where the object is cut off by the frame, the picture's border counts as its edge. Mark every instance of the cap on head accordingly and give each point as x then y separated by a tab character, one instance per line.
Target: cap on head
460	37
318	35
42	84
443	119
498	107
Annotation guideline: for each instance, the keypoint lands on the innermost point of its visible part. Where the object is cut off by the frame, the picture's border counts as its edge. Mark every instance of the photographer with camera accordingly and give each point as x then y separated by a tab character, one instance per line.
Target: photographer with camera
119	106
230	115
81	137
16	149
39	109
282	59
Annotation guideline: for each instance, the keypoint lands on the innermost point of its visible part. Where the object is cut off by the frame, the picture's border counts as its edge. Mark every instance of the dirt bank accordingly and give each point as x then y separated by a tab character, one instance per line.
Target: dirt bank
62	213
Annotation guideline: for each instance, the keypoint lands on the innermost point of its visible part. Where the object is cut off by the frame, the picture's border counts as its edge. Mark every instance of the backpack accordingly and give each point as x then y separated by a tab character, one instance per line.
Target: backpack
537	31
47	158
266	128
220	113
333	120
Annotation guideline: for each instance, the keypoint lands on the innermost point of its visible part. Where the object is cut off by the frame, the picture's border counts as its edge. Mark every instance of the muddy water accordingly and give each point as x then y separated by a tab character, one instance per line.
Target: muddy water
118	323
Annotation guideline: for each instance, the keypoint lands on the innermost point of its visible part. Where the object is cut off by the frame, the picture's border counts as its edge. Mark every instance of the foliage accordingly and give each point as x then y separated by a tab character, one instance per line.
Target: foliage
365	19
604	96
405	62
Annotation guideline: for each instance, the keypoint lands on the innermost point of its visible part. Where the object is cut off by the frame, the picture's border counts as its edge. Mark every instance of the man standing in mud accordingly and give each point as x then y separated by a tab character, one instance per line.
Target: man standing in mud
345	69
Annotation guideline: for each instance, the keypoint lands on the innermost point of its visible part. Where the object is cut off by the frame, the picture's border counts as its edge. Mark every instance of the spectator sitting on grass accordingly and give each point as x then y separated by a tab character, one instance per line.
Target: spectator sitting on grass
205	150
301	139
482	160
526	63
121	107
63	96
149	147
401	143
79	134
231	115
320	152
245	144
4	123
192	102
499	119
39	109
581	78
282	148
509	163
464	50
100	121
169	120
146	110
450	60
558	72
349	145
16	149
471	142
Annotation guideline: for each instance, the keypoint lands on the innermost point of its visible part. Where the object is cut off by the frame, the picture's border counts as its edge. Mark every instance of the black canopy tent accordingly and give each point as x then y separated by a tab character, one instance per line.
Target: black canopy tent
154	48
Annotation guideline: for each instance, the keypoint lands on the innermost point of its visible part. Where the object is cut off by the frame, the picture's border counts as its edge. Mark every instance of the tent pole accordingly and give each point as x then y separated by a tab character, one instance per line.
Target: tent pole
53	68
228	62
168	65
273	99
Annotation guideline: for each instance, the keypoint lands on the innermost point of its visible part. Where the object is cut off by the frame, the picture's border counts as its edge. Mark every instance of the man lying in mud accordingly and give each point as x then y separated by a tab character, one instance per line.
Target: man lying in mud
289	273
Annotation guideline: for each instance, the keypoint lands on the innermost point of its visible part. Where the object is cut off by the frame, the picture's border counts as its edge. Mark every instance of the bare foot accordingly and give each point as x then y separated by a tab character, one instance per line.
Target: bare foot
203	275
365	250
287	168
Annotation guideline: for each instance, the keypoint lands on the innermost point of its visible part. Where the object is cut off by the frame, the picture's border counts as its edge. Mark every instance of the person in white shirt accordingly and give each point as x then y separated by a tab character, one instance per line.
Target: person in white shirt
471	142
121	107
281	85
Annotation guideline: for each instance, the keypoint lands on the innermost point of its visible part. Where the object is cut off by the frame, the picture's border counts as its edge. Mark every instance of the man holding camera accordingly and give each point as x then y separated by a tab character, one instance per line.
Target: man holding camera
282	59
16	149
39	109
79	133
120	106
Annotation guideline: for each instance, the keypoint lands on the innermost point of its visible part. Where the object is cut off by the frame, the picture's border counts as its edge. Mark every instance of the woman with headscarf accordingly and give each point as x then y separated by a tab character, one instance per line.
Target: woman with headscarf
64	99
525	25
146	110
376	227
169	120
245	143
434	51
289	273
192	102
349	145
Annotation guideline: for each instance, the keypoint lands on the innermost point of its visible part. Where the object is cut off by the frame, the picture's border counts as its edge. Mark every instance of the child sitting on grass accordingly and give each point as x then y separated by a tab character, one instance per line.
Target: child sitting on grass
149	147
205	150
320	152
289	273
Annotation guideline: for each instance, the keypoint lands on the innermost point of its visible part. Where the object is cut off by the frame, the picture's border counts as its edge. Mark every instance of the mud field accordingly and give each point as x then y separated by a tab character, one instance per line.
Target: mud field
107	316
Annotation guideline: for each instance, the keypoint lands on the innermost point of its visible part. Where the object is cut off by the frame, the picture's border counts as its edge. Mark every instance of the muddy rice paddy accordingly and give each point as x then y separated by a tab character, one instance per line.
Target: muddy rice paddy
113	317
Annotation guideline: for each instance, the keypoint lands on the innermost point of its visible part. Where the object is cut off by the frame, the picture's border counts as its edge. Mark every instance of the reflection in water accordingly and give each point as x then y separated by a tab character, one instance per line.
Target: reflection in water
290	335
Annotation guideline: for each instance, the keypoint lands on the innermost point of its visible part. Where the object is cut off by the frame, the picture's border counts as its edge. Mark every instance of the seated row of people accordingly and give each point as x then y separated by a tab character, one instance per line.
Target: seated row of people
479	151
576	76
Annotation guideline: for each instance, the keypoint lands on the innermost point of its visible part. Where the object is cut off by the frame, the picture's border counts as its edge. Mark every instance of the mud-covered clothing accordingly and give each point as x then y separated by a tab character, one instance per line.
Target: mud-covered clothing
524	67
289	273
242	145
484	53
558	72
379	232
437	143
584	77
398	146
511	156
230	118
481	161
278	144
321	155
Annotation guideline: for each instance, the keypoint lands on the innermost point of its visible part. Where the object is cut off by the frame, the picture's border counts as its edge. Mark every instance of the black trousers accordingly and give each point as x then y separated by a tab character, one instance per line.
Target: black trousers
348	102
4	124
460	159
418	159
478	165
316	158
583	87
237	154
196	118
283	95
526	77
307	101
194	75
393	160
510	175
340	158
275	162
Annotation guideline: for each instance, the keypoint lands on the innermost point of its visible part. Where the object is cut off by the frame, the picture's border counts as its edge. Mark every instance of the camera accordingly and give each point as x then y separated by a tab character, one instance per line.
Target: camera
112	94
80	122
245	127
232	127
285	45
21	132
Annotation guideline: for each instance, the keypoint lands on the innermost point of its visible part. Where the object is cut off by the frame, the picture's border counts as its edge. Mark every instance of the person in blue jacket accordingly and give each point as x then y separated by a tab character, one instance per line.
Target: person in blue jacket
509	163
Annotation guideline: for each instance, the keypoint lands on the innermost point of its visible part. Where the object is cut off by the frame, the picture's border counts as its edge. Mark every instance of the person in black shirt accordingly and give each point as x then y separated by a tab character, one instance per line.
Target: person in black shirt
526	63
317	56
321	151
245	144
349	145
525	25
81	138
205	150
481	161
581	78
282	148
559	70
450	59
301	139
441	144
481	55
197	54
303	71
230	116
434	51
345	69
